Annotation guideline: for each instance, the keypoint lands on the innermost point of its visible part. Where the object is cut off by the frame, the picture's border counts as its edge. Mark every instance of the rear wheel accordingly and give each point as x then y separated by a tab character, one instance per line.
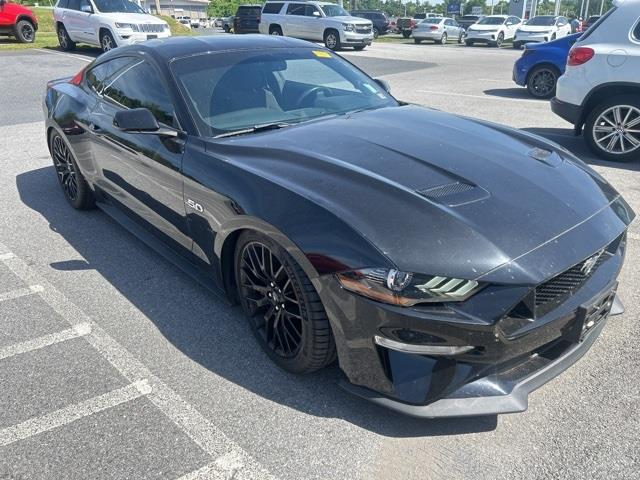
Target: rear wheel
612	129
332	40
517	45
376	32
443	39
461	38
542	81
64	40
75	188
25	31
359	48
417	40
285	312
468	43
406	33
275	30
106	41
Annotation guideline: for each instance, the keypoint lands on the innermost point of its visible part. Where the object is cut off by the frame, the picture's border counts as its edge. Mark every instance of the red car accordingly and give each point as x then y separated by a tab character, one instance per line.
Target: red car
17	21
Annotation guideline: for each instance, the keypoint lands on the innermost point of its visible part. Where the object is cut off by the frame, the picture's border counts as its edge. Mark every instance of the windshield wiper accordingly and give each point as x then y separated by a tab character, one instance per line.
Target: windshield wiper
254	129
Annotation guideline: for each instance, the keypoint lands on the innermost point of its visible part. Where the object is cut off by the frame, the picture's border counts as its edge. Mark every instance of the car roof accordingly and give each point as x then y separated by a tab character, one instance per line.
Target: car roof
166	49
498	16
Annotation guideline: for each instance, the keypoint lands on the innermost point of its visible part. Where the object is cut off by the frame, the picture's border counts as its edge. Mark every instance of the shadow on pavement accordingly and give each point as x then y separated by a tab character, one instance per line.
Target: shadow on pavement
577	145
517	93
205	328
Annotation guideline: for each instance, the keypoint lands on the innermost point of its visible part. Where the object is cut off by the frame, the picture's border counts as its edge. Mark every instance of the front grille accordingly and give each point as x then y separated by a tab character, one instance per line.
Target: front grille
568	281
363	30
151	27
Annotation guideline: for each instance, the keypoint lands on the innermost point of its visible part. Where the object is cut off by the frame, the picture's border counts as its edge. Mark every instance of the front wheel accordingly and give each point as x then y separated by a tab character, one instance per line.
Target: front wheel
500	40
359	48
107	42
461	38
517	45
406	33
286	314
376	32
612	129
25	31
332	40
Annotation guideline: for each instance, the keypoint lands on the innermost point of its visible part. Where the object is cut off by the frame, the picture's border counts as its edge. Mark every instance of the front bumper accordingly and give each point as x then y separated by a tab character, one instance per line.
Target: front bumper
125	37
355	39
509	359
479	36
524	37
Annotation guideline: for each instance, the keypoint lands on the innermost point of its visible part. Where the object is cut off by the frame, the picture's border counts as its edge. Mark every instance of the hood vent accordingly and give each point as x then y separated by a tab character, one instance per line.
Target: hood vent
455	194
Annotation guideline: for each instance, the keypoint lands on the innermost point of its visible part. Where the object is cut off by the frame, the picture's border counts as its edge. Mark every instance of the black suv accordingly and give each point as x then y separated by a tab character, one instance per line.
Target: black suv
467	20
378	18
247	19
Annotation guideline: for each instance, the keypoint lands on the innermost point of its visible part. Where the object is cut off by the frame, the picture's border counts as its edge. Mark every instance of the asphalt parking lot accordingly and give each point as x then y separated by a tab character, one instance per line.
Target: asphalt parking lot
115	364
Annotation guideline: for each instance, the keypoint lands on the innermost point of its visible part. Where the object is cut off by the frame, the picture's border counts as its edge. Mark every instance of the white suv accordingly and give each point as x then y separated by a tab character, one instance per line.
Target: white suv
105	23
542	28
317	21
600	89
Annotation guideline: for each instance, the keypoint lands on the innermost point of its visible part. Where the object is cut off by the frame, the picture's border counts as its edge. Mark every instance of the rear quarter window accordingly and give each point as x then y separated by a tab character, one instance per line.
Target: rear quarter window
272	7
636	31
248	11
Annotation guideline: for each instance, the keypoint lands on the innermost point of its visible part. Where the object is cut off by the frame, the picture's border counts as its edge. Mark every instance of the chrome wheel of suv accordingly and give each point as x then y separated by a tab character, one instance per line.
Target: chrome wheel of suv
107	42
617	129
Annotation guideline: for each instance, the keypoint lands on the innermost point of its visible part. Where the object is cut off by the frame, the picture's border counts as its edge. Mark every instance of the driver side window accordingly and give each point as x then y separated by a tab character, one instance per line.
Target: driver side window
312	11
138	86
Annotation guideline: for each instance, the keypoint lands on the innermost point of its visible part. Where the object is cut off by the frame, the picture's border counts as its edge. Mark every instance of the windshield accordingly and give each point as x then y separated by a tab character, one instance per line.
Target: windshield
112	6
491	21
542	21
239	90
334	11
431	20
469	17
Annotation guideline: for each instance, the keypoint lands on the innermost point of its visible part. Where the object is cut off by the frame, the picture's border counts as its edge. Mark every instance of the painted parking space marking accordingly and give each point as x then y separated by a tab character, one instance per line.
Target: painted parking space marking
66	415
84	59
229	459
20	292
78	330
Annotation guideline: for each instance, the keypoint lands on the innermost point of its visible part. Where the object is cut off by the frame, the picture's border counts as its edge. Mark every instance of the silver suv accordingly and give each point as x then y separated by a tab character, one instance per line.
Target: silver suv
317	21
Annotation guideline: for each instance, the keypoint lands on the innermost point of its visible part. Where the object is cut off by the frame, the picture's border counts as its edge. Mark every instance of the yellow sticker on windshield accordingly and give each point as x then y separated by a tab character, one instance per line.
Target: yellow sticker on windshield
321	54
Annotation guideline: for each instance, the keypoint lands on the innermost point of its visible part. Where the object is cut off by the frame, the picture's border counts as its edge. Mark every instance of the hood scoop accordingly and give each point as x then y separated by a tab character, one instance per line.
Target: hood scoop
455	194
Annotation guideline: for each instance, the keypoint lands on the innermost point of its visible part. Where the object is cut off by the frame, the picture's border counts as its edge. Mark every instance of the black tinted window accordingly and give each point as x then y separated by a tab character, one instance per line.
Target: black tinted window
138	86
99	74
248	11
636	32
272	8
74	4
63	3
296	9
309	11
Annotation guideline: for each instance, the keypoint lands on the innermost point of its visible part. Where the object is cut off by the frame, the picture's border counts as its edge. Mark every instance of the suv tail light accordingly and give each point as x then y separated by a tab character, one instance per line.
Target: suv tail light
579	55
77	78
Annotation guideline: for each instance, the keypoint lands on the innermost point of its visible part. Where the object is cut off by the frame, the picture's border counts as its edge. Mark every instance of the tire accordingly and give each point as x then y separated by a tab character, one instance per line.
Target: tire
553	37
376	33
275	30
74	186
406	33
468	43
600	142
359	48
461	38
332	40
227	29
443	39
417	41
64	40
499	41
25	32
541	81
517	45
107	41
297	337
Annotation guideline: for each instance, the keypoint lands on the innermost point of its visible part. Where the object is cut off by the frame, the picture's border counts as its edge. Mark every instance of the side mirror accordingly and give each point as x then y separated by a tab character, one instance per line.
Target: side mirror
140	120
86	9
384	84
316	14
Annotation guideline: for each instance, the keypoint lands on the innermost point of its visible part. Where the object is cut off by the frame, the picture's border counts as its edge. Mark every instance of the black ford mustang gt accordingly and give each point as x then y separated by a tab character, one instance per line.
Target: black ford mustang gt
452	266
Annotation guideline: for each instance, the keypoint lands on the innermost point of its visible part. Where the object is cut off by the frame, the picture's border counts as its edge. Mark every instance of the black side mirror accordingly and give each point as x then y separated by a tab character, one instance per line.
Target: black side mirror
384	84
141	120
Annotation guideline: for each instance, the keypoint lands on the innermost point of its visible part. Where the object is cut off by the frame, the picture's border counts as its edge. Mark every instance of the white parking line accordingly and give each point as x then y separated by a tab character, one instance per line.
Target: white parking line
6	256
20	292
201	431
78	330
84	59
484	97
66	415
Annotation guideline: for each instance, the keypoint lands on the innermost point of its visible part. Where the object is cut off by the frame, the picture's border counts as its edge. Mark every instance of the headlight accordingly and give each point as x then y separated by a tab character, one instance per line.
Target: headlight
127	26
406	289
166	26
349	27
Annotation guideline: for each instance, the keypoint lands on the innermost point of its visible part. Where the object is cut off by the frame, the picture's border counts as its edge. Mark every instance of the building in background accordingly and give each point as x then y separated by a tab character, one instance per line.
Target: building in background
178	8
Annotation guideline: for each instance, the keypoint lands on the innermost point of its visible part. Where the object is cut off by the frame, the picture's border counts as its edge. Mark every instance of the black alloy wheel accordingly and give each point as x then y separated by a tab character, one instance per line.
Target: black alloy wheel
542	82
25	31
73	184
286	314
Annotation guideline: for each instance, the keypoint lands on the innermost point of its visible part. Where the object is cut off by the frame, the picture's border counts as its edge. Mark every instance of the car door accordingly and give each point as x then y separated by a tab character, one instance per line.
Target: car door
142	173
313	23
293	19
86	31
512	25
70	20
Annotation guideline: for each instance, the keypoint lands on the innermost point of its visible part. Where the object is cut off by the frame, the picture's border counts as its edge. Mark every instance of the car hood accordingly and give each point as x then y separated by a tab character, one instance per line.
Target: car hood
536	29
480	28
434	192
350	19
133	18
